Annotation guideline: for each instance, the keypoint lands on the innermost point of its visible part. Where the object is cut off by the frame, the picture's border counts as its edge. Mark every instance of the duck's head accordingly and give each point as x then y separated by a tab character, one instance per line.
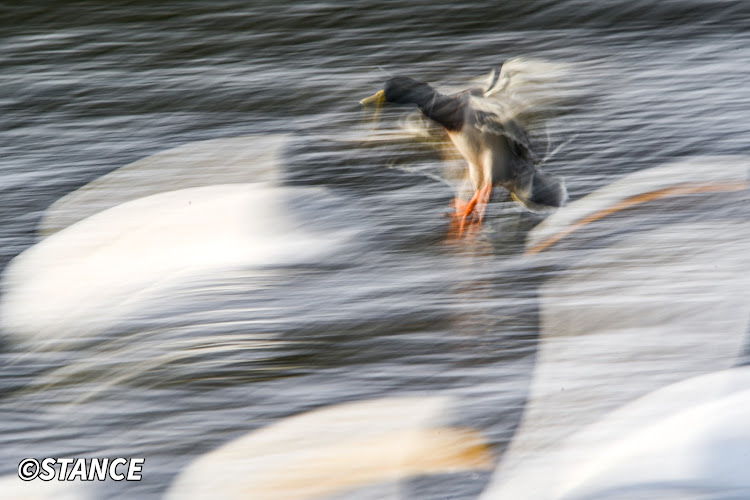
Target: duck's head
401	90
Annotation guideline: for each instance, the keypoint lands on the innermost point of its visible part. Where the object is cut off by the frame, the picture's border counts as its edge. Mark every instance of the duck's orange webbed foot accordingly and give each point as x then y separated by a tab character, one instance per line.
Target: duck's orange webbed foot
468	213
483	201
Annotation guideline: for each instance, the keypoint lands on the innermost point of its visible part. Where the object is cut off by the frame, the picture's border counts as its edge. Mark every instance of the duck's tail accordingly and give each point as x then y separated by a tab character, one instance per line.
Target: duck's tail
541	192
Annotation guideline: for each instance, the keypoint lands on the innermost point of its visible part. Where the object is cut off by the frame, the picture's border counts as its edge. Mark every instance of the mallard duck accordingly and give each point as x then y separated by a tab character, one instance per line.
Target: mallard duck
482	125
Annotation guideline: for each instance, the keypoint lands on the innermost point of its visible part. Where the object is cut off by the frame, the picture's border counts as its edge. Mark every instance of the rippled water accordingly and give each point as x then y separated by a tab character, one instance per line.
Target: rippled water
388	308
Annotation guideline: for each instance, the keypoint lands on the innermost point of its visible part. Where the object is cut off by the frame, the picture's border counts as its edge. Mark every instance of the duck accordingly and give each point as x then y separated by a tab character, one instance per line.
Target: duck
484	126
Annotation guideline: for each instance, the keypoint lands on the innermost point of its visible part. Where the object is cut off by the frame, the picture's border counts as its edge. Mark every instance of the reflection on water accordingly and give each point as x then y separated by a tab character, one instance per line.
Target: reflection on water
335	283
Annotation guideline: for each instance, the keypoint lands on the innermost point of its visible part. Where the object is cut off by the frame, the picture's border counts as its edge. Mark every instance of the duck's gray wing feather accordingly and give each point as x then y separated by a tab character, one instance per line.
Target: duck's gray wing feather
490	122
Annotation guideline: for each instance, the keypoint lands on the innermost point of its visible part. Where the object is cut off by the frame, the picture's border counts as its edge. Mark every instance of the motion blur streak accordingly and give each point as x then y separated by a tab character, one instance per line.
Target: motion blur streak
108	107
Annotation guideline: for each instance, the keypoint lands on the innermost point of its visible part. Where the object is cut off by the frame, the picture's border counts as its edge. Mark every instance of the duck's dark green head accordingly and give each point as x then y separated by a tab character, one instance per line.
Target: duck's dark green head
402	90
448	111
405	90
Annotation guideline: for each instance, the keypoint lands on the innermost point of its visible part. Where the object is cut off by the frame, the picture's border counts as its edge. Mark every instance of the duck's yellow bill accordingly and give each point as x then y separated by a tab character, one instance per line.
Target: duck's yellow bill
378	98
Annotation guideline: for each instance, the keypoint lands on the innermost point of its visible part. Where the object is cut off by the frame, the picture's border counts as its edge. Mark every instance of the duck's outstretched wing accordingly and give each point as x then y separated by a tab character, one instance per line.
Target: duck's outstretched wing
532	82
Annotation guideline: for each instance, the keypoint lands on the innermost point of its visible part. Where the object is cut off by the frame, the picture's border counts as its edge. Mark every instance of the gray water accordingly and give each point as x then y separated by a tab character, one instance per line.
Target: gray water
86	88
